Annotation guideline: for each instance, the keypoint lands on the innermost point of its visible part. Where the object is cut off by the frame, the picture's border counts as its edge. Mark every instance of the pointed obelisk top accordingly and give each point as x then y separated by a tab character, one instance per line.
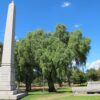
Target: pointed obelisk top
12	1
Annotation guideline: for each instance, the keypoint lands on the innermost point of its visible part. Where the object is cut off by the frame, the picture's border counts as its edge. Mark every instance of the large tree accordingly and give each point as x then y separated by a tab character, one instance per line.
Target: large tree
51	53
27	58
78	76
92	75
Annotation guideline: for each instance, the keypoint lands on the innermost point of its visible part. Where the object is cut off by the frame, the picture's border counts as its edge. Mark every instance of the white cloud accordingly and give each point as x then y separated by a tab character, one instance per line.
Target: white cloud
16	38
66	4
77	25
94	65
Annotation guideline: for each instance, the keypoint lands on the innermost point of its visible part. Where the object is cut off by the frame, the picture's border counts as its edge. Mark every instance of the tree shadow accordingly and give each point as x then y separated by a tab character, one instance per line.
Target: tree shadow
64	91
38	90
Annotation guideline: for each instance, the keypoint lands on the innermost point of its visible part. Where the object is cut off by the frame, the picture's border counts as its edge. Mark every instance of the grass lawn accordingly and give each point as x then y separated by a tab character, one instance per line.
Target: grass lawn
63	94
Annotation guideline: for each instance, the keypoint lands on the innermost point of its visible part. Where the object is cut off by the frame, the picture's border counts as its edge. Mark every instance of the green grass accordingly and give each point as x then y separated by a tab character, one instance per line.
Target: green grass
62	94
35	95
80	98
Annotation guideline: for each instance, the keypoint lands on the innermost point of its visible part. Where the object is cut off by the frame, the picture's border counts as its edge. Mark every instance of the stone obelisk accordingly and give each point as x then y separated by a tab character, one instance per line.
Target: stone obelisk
7	69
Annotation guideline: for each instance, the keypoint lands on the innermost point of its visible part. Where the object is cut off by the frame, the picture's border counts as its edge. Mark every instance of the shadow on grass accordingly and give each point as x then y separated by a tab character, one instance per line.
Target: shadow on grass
38	90
45	92
64	91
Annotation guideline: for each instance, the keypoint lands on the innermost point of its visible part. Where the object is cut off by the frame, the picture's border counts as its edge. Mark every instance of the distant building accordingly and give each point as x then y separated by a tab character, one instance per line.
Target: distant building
1	48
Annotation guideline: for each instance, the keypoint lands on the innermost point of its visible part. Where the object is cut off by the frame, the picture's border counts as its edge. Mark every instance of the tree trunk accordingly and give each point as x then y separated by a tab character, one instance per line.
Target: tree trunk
60	82
28	86
69	82
51	85
28	83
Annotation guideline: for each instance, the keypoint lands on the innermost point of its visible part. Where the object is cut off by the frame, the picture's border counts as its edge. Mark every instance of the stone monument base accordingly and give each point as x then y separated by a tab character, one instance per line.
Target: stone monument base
11	95
8	89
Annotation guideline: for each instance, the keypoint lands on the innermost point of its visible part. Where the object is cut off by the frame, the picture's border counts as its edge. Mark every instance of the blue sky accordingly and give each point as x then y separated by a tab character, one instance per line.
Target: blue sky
46	14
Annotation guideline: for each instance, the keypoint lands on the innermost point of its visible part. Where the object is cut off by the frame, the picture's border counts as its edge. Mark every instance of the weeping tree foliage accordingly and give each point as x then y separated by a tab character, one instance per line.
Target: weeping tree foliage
52	60
92	75
51	54
78	76
77	48
26	60
24	63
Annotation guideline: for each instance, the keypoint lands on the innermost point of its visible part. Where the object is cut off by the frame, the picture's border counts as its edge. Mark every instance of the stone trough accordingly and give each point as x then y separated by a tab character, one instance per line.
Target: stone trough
91	88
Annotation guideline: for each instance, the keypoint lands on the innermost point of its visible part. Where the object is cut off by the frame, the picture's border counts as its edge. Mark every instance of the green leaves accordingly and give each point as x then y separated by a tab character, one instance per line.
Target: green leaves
78	76
51	53
92	75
